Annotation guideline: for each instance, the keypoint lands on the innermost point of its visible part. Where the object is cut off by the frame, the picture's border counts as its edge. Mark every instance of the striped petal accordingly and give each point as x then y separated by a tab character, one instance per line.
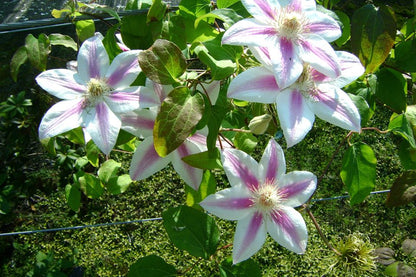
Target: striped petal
323	25
286	63
102	125
132	98
212	90
146	161
232	204
287	227
250	32
93	60
139	123
336	107
295	116
263	10
249	237
299	5
61	83
240	168
123	70
351	69
297	187
60	118
272	162
320	55
256	84
191	175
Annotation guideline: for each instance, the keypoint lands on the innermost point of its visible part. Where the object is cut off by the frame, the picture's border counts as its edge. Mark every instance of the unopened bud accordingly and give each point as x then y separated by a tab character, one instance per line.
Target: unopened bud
259	124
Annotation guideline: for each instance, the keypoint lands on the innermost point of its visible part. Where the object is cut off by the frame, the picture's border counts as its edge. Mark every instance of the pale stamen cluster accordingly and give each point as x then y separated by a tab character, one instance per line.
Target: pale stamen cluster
290	24
267	198
95	89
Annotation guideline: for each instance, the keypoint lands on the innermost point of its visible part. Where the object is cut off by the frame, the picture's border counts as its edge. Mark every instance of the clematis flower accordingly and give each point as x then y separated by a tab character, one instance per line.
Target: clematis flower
262	198
314	93
94	95
146	161
293	31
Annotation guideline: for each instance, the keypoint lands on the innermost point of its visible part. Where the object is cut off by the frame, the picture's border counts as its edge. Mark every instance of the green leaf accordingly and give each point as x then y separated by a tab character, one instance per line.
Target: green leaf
64	40
163	63
344	21
19	58
219	58
38	50
81	162
391	270
173	29
363	108
151	266
85	29
93	153
73	197
49	144
138	4
208	186
75	136
110	42
226	3
119	184
245	142
358	171
407	155
204	160
134	37
402	53
228	16
195	8
403	190
157	11
373	30
91	186
179	114
247	268
109	11
391	89
108	170
399	125
191	230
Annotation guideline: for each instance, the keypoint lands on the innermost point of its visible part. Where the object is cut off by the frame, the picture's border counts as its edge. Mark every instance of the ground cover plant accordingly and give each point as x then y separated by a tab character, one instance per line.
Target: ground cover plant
229	120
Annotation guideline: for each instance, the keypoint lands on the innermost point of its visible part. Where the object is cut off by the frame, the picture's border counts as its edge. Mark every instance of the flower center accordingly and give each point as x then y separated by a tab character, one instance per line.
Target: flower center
290	24
97	87
306	84
267	197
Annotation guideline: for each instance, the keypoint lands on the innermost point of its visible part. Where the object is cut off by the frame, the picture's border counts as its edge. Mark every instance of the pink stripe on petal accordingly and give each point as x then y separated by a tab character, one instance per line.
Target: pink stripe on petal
319	77
93	63
266	82
103	121
287	226
321	27
266	8
287	50
293	189
124	96
273	164
150	157
139	123
296	106
323	56
121	73
231	203
295	5
251	233
183	151
243	172
240	35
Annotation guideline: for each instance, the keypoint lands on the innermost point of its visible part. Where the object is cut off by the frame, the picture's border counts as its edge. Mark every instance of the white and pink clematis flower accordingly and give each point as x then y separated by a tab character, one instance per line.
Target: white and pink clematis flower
95	95
313	93
262	199
293	31
146	161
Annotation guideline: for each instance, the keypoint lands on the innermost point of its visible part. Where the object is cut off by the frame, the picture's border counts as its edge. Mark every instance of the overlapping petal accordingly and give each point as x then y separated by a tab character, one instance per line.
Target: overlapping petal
139	123
295	116
123	70
257	84
335	106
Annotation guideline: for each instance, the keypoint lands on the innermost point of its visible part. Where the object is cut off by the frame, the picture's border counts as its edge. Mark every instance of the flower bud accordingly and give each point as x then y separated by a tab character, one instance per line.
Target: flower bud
259	124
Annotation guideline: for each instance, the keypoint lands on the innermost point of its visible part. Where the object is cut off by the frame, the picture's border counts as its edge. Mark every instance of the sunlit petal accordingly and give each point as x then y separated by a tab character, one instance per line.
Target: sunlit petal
103	126
146	161
61	83
123	70
256	84
287	227
295	116
60	118
93	60
273	162
323	25
240	168
249	237
139	123
297	187
262	9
